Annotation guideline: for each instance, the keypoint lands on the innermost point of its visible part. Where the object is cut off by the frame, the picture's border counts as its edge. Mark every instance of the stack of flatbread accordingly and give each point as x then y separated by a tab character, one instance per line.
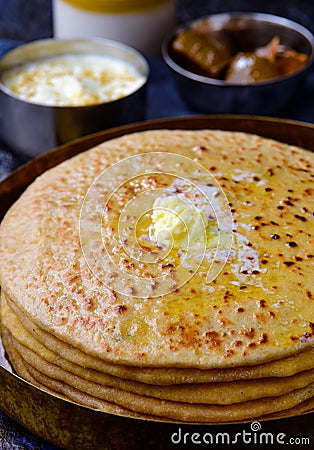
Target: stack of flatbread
86	318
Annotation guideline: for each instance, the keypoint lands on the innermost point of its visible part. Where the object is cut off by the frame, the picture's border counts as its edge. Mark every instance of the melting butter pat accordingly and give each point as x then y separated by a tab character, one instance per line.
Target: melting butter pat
178	223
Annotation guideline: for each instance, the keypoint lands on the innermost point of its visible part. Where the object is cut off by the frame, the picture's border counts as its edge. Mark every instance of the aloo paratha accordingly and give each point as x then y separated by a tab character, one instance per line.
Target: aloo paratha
186	412
44	272
285	367
97	307
36	355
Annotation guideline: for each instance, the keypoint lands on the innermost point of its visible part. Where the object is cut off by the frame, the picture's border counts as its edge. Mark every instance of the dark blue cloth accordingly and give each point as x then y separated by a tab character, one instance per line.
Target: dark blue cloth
163	101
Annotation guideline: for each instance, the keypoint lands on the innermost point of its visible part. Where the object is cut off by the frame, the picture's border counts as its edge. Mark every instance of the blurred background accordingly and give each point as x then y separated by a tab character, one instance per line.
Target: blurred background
28	20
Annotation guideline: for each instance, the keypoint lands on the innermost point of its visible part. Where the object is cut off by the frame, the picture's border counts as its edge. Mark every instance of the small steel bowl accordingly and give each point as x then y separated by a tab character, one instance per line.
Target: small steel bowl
31	129
243	32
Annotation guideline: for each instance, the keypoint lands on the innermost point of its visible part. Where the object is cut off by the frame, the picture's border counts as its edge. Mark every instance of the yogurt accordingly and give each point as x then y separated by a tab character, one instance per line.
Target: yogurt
73	80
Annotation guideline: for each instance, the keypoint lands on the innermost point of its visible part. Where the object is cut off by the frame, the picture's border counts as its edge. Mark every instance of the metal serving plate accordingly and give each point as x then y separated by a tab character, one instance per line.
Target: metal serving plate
71	426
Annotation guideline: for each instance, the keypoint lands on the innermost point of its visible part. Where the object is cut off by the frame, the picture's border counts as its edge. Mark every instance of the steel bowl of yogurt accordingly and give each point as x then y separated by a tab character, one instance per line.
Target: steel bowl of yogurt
53	91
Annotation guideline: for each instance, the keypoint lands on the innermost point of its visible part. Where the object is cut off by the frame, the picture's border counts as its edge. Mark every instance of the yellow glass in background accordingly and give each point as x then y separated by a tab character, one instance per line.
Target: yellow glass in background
139	23
117	6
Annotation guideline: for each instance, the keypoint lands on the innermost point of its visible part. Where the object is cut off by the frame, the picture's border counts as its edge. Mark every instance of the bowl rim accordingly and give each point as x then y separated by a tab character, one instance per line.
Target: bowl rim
264	17
57	41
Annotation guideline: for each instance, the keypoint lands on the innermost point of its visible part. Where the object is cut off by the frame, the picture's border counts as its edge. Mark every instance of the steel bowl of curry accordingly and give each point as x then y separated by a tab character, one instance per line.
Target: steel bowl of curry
249	63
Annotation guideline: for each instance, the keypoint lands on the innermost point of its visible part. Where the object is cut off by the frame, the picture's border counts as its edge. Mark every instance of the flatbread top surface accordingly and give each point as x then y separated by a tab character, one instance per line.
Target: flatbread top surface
69	260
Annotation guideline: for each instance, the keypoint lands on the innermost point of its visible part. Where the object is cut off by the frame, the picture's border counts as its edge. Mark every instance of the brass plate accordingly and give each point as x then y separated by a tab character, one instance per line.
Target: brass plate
75	427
